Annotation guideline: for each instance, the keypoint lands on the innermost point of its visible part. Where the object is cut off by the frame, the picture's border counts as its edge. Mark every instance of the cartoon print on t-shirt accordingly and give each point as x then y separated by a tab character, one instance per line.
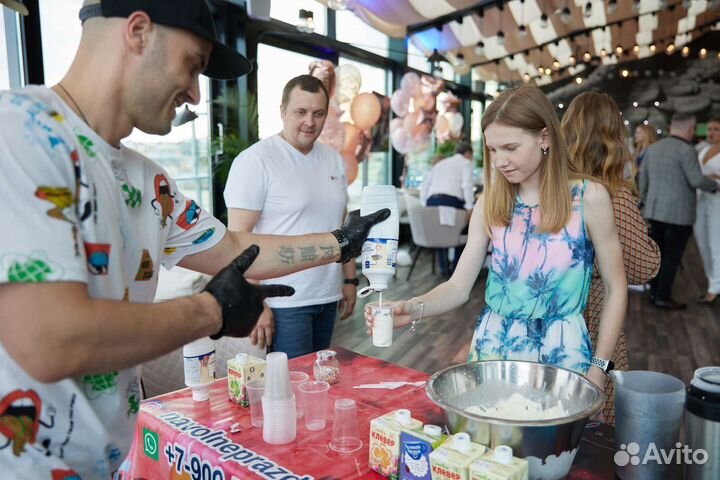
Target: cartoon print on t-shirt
164	201
96	385
147	269
33	268
204	236
189	216
64	475
98	257
20	419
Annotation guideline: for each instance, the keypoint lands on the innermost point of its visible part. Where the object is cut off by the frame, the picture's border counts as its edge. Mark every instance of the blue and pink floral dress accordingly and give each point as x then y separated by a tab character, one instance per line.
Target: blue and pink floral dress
537	289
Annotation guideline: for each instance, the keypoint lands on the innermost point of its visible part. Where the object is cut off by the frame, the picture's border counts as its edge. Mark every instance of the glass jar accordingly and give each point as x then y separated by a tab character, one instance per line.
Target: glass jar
327	367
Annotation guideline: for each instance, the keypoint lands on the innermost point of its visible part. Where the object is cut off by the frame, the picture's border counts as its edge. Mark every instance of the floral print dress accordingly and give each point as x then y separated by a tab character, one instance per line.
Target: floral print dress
537	290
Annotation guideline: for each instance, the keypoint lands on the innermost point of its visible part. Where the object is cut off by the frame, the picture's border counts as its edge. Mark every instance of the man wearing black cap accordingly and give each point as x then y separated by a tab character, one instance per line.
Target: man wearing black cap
87	224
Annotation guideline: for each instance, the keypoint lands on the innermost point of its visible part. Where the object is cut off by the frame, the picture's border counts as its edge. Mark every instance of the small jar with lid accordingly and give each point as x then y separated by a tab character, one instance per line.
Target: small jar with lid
327	367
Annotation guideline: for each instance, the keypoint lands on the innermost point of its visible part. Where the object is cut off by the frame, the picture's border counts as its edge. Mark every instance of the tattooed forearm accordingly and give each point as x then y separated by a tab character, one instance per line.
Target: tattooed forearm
286	254
328	252
308	254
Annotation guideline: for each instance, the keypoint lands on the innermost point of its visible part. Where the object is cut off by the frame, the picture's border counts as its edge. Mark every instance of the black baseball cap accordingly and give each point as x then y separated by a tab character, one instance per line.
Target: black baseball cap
191	15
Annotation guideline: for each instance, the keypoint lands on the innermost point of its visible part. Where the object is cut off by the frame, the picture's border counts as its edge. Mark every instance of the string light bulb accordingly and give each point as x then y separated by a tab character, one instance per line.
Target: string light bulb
625	74
522	31
571	60
500	38
480	49
653	48
636	48
612	6
556	64
306	21
587	11
619	50
565	15
703	53
578	80
544	21
670	49
587	56
526	77
685	52
603	53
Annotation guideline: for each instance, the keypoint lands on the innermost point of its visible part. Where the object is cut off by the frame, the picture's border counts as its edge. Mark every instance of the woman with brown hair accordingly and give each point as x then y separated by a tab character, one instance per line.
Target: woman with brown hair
595	133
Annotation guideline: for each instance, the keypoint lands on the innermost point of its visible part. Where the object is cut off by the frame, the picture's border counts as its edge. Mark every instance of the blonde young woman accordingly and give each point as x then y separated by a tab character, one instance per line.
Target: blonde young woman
644	137
707	225
546	224
604	155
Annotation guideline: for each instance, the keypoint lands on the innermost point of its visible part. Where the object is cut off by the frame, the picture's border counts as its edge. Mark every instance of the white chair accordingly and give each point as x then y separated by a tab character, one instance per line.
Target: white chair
428	233
166	374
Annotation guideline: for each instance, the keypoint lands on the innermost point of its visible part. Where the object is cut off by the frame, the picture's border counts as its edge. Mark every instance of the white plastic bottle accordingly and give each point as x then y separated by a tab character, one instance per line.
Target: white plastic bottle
199	366
379	252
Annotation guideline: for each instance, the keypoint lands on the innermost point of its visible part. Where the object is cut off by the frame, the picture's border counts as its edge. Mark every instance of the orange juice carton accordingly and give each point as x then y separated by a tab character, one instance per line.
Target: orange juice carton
242	369
499	464
385	440
415	448
452	459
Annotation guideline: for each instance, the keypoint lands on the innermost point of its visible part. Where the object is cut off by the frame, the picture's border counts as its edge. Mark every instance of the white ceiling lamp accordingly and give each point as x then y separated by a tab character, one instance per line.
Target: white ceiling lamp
337	4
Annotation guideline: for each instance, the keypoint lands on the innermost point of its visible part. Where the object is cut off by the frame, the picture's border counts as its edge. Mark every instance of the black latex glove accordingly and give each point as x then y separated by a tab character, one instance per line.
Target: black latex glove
241	301
354	232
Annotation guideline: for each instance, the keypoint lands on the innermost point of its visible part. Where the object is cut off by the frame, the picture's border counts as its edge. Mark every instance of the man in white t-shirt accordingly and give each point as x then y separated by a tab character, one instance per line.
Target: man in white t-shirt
88	223
290	184
450	183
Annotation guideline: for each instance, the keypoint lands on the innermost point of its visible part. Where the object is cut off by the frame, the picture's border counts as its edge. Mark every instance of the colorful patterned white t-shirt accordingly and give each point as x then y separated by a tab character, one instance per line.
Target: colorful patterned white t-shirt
79	210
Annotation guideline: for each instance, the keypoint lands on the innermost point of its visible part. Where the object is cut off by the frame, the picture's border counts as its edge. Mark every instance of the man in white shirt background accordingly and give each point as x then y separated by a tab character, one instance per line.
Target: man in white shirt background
290	184
450	183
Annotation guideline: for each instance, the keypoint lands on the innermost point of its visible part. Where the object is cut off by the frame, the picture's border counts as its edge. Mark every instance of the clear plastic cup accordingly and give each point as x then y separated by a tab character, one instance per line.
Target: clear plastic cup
296	378
277	377
382	331
345	434
313	398
255	390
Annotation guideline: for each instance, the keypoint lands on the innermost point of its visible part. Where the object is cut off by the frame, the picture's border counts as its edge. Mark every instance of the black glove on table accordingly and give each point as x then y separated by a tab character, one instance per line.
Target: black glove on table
354	232
241	301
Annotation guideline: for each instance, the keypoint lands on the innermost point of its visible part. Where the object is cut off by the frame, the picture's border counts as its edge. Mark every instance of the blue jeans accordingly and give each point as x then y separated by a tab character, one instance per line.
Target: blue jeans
301	330
447	201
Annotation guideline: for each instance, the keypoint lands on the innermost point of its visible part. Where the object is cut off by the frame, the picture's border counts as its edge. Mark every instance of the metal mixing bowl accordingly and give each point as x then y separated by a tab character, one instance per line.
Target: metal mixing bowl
549	445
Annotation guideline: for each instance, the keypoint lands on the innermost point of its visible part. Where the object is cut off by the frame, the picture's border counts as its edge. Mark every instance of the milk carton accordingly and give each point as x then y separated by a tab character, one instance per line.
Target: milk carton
452	459
241	370
385	440
415	448
499	464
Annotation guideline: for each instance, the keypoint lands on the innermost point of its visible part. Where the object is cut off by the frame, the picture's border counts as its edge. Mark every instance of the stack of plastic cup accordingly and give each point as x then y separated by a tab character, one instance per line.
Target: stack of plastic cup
280	416
345	434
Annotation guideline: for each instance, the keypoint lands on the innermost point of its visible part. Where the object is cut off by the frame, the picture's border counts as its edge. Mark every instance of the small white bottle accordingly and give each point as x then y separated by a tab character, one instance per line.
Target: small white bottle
199	366
379	252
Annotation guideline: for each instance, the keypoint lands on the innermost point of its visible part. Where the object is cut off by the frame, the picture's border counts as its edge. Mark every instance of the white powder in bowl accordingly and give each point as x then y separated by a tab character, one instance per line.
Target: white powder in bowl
518	407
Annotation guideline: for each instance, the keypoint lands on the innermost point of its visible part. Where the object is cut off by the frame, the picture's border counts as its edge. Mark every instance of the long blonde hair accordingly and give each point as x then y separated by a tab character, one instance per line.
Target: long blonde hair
527	108
650	137
595	134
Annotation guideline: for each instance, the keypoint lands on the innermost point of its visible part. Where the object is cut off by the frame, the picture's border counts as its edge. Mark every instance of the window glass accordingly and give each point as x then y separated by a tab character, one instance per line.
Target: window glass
376	168
287	11
4	55
60	30
271	82
476	138
416	58
350	29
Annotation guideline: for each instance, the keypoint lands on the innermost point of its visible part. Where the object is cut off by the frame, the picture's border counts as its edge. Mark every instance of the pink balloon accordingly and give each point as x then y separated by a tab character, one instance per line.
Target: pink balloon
410	83
396	123
411	120
365	110
352	138
400	139
351	167
399	102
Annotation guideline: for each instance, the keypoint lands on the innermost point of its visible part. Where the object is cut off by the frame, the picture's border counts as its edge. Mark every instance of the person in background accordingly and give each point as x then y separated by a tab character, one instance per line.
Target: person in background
644	136
450	183
291	184
604	155
707	225
92	220
669	177
546	223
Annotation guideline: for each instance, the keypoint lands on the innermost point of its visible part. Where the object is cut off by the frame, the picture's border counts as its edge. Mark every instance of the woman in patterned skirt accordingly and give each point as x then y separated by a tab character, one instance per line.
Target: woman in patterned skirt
604	155
547	224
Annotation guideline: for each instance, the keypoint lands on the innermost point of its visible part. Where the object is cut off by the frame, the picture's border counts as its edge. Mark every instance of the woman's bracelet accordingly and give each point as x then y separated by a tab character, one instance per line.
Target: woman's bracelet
414	323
